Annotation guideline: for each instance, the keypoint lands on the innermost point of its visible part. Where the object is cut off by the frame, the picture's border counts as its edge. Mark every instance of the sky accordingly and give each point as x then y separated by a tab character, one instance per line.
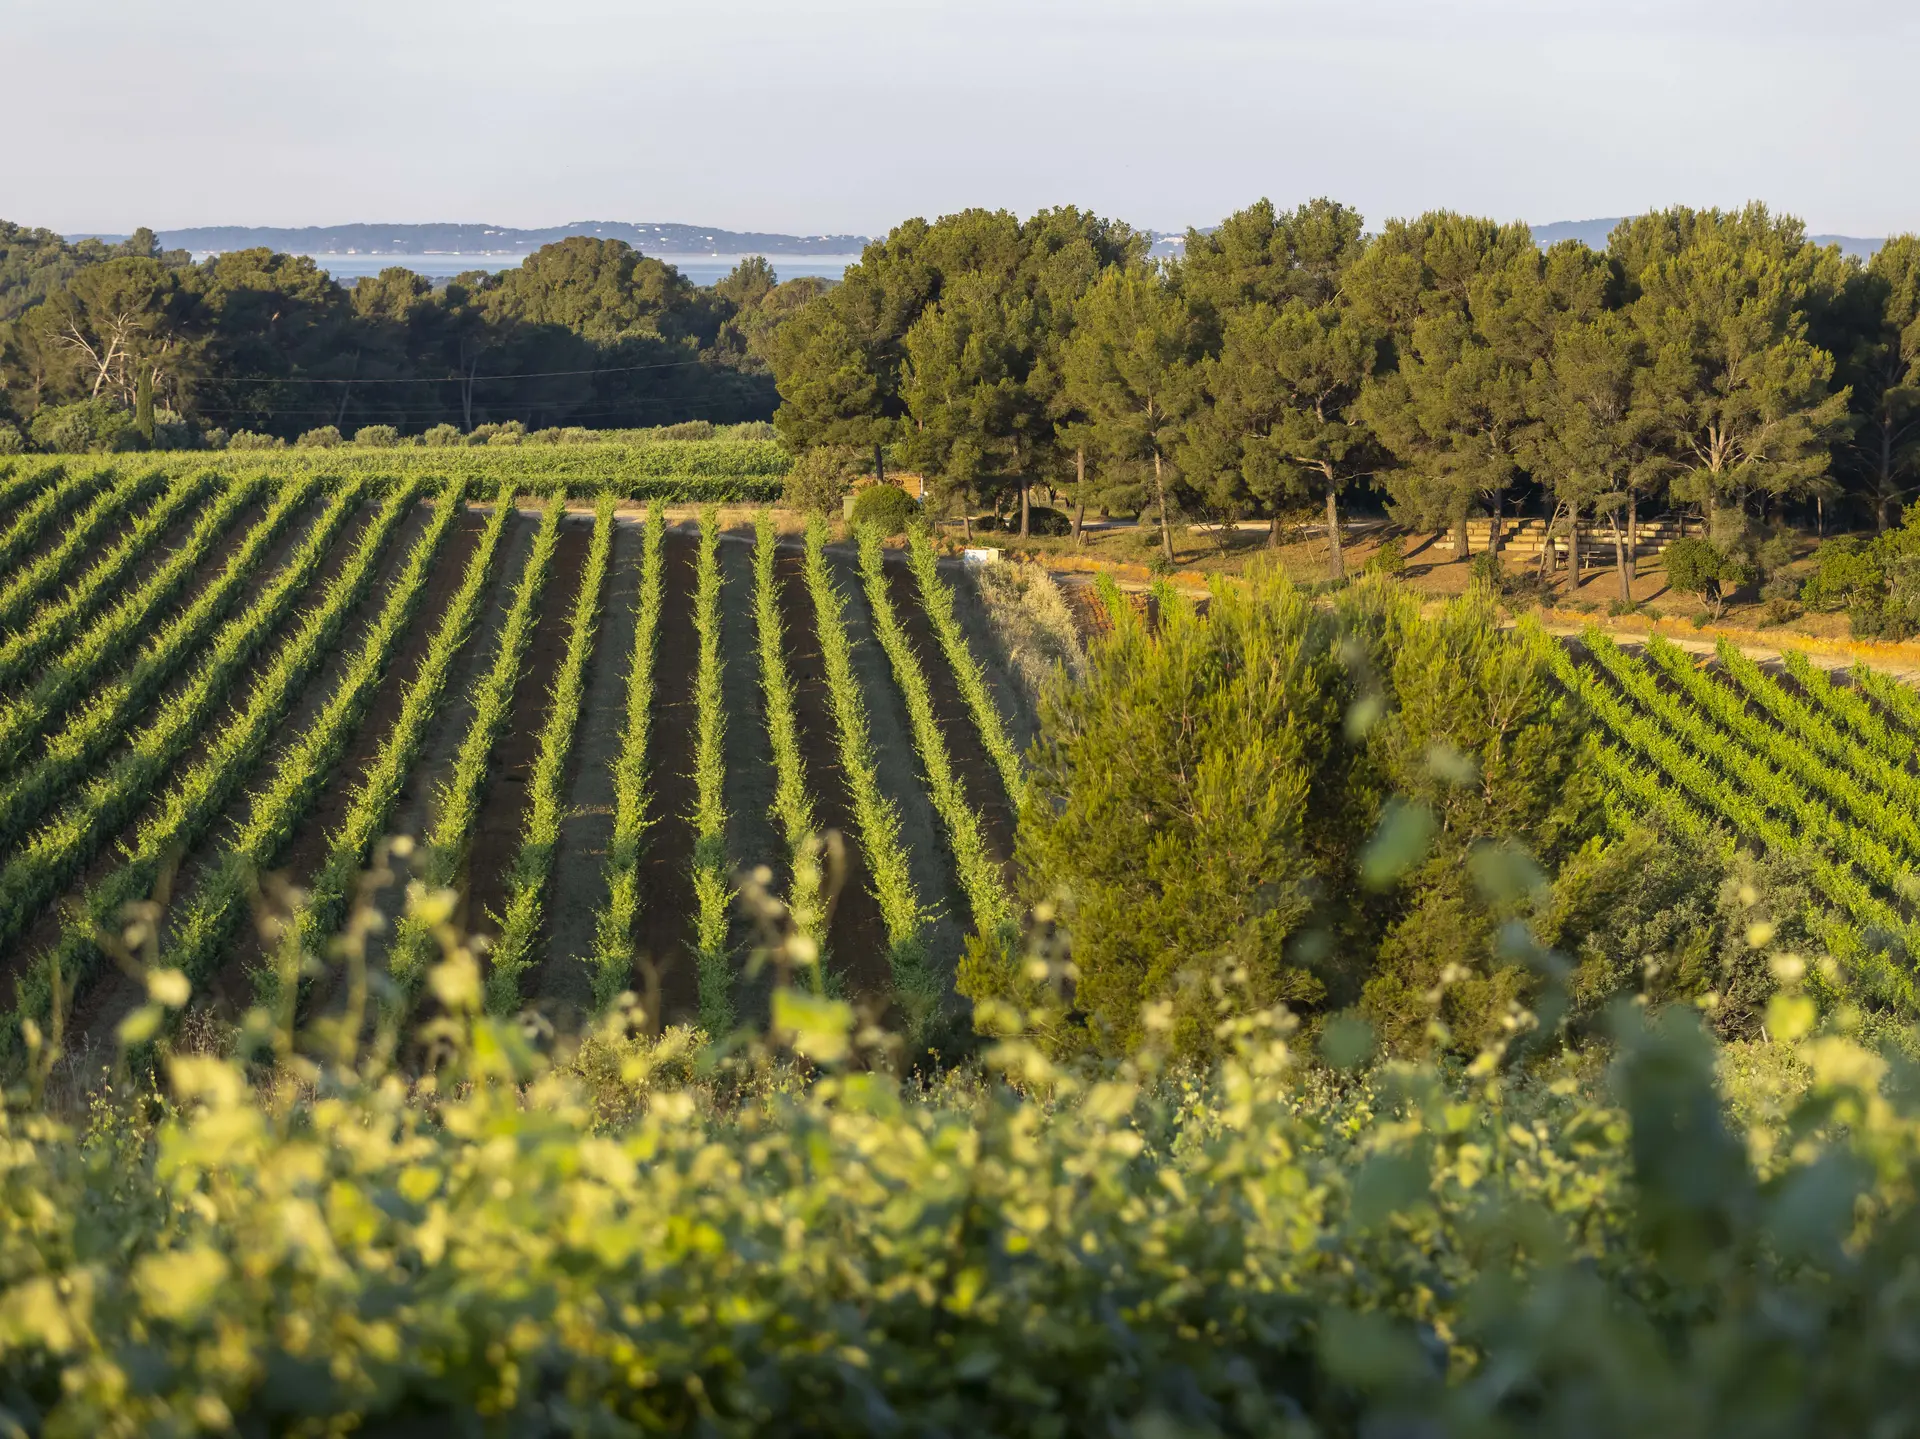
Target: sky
829	116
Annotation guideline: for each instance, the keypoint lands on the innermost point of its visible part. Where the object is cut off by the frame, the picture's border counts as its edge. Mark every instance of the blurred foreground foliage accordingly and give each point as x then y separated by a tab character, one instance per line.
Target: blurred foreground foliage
648	1233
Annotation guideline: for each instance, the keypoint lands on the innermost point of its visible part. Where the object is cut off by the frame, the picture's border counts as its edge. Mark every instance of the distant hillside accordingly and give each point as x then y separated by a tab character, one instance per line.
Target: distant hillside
1595	232
479	239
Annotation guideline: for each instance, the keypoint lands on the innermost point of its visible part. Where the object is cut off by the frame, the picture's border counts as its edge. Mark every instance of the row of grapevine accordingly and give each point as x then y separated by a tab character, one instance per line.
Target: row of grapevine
937	599
1847	707
1694	796
1899	701
26	584
188	808
1768	786
1802	721
350	845
713	893
719	471
978	871
103	722
46	509
612	961
211	916
540	834
792	806
1816	777
21	482
55	624
458	802
874	816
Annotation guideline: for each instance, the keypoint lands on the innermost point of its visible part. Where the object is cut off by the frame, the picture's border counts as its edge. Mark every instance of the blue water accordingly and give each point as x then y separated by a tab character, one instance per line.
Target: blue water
701	269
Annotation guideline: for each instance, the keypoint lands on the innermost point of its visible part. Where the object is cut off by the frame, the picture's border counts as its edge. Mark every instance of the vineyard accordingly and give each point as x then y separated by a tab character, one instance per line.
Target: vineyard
590	722
1723	752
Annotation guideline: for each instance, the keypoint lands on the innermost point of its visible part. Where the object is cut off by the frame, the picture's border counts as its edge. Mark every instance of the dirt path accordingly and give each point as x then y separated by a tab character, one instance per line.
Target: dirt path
929	859
975	768
496	836
856	933
579	883
666	876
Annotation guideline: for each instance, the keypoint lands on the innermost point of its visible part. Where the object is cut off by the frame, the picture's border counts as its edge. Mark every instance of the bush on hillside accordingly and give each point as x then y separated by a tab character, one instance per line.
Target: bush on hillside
12	442
253	440
376	437
887	508
442	436
89	427
327	437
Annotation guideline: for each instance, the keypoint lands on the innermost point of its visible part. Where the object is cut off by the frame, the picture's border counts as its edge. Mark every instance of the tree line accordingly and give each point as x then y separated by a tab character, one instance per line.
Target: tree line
585	332
1715	361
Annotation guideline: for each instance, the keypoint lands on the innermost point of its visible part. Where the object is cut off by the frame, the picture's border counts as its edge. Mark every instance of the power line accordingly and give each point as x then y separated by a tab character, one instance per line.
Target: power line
462	379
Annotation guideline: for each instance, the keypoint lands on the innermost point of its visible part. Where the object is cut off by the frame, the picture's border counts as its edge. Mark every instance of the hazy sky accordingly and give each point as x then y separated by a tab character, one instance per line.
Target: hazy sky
848	115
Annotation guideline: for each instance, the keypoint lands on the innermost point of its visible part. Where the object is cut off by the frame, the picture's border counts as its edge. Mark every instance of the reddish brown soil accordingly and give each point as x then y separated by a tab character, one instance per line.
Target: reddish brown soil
496	836
856	933
666	874
979	777
315	832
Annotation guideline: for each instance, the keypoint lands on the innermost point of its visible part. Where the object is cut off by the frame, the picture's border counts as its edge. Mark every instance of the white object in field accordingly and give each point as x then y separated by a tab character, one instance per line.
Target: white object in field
979	557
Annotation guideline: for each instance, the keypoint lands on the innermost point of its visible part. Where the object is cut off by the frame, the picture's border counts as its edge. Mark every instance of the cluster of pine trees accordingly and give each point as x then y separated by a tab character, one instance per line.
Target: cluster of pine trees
1712	360
585	332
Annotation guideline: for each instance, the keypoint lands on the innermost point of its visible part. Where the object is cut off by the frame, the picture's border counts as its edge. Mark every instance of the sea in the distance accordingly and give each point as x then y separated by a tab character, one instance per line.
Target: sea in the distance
701	269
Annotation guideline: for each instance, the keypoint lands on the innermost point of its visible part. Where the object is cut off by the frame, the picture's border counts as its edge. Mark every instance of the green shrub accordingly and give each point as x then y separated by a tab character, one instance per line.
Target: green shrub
89	427
252	440
820	479
376	437
1844	569
12	442
887	508
1695	567
1047	522
442	436
327	437
1390	559
1292	794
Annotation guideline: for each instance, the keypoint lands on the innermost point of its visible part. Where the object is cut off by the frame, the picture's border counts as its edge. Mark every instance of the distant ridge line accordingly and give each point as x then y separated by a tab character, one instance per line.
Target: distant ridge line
479	239
1594	234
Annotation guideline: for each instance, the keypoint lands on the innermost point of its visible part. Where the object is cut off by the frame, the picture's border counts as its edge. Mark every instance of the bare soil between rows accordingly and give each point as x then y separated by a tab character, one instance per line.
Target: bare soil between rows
497	827
664	965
